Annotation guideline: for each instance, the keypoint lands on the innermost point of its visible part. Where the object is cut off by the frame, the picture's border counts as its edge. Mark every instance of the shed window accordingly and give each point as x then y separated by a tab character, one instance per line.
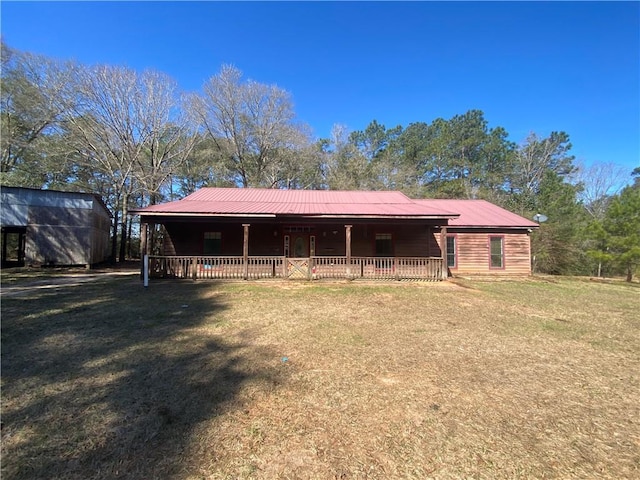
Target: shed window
212	244
496	245
451	251
384	245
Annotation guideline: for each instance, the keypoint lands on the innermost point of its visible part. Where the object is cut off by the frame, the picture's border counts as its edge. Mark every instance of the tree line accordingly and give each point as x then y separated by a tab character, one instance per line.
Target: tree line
136	139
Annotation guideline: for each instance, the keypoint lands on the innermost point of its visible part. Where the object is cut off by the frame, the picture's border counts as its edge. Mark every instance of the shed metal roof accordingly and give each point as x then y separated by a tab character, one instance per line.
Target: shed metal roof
16	202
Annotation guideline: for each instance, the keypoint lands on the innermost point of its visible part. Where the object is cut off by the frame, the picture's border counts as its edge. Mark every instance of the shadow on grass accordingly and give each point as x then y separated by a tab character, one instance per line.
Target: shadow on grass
109	380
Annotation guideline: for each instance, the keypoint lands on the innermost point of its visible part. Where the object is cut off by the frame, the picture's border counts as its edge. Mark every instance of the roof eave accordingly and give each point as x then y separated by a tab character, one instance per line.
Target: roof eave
406	217
189	214
306	216
509	227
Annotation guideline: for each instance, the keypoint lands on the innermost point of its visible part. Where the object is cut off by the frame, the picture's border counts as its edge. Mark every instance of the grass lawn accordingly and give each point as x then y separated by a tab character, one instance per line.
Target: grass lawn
534	378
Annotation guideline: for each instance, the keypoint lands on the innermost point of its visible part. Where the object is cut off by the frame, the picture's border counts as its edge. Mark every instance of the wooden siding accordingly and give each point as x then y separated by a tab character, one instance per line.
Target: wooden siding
188	239
329	243
433	243
268	239
408	241
473	252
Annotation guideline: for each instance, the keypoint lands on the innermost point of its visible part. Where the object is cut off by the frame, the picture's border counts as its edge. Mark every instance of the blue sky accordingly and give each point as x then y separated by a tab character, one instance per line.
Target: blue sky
530	66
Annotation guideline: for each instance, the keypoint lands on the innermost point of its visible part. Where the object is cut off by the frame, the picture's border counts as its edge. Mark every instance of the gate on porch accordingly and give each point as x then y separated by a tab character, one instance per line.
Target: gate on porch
298	268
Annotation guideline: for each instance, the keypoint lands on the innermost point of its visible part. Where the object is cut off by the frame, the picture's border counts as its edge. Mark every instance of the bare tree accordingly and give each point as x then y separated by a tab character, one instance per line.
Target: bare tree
121	126
598	186
538	155
171	135
533	160
599	182
346	167
252	125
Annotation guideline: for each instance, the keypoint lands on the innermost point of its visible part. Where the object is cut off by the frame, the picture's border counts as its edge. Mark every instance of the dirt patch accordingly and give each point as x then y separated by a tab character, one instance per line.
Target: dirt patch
60	280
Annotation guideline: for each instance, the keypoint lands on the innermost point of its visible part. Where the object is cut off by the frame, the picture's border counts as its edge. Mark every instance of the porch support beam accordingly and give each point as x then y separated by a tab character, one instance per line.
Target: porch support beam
144	235
348	248
443	249
245	250
144	248
312	254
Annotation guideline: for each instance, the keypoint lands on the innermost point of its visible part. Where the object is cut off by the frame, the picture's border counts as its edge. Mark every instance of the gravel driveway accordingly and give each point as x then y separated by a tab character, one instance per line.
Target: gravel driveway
70	280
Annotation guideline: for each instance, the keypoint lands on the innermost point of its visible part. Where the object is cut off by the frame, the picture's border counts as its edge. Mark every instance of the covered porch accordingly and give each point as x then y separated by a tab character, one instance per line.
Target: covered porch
291	249
250	233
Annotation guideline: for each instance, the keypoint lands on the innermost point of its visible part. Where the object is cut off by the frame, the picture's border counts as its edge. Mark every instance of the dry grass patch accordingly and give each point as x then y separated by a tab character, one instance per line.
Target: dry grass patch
519	379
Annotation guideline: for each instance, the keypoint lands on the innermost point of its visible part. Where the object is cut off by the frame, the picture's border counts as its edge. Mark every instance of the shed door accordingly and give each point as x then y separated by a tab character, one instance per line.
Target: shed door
13	243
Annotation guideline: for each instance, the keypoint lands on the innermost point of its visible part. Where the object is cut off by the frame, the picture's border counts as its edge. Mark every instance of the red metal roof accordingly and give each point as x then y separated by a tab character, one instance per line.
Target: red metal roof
271	202
479	213
332	203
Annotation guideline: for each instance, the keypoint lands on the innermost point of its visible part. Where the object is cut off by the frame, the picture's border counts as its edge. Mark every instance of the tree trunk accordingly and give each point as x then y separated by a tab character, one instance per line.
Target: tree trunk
129	240
629	273
114	237
123	229
123	239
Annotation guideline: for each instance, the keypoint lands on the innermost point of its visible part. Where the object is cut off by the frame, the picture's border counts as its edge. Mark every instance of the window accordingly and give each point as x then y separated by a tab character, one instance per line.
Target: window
286	245
212	243
312	245
298	229
496	247
451	251
384	245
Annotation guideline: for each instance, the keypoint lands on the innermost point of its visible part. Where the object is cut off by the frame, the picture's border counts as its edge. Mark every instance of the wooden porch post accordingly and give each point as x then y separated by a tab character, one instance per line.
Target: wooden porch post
245	251
348	248
144	249
443	249
312	254
144	235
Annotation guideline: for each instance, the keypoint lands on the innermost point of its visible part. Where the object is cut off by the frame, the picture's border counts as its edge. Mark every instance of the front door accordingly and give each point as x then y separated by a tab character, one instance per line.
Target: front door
300	245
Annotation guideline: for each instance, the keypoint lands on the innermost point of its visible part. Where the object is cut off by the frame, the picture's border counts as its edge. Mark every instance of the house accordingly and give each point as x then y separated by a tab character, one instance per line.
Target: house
256	233
48	227
485	238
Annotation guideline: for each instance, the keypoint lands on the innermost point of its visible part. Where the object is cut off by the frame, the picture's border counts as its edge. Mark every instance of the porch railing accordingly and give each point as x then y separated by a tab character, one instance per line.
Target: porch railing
226	267
234	267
